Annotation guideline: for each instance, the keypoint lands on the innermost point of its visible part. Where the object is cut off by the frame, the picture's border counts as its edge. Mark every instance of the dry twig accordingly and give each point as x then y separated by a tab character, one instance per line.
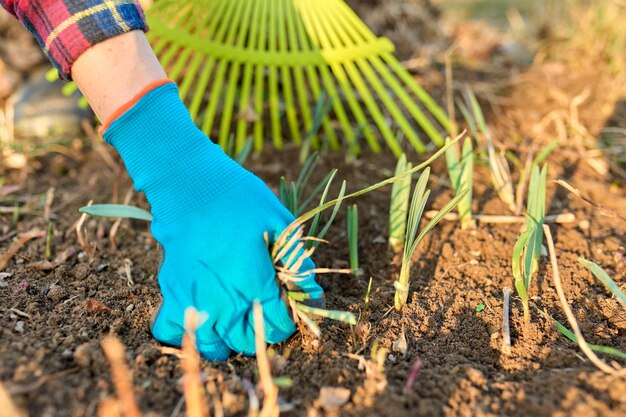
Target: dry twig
118	222
505	219
506	327
190	364
568	311
7	406
79	233
601	209
17	245
270	391
47	208
115	354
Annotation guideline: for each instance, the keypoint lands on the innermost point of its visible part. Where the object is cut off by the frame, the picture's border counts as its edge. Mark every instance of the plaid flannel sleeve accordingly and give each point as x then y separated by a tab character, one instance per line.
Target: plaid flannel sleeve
66	28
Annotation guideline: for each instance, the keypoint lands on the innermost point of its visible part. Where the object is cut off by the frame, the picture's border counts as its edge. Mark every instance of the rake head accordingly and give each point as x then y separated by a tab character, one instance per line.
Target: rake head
242	64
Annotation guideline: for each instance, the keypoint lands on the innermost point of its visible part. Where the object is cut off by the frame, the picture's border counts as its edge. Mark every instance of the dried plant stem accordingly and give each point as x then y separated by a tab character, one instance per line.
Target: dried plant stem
190	364
6	404
506	219
118	222
47	209
601	209
16	246
522	184
270	392
506	327
109	407
568	311
115	354
79	233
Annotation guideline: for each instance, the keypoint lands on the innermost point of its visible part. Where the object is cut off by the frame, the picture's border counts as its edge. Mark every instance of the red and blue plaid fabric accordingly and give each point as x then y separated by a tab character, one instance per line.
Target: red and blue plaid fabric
67	28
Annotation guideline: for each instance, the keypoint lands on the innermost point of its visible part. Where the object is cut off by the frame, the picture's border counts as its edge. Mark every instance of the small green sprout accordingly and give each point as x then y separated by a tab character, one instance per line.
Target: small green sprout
399	207
49	240
527	250
480	307
412	238
498	166
598	348
353	238
606	280
290	194
460	171
323	105
615	290
242	156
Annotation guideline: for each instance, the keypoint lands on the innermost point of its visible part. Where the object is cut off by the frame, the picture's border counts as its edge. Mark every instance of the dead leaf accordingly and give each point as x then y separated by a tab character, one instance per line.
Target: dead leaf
94	306
401	344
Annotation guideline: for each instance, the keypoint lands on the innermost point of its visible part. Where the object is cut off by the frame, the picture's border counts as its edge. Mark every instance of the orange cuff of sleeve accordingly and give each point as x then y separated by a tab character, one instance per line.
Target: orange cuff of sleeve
126	106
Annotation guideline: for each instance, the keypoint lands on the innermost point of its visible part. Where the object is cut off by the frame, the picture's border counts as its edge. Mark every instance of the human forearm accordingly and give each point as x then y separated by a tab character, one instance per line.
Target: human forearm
65	29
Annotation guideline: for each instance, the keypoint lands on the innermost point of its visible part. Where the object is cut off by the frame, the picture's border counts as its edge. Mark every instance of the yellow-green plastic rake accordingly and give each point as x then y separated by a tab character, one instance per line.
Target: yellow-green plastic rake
242	62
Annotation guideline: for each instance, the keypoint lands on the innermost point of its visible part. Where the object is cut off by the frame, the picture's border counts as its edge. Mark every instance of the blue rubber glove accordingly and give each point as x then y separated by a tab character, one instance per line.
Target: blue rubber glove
210	215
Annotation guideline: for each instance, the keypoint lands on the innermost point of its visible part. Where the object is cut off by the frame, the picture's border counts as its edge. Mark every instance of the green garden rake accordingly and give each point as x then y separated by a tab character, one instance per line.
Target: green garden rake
240	63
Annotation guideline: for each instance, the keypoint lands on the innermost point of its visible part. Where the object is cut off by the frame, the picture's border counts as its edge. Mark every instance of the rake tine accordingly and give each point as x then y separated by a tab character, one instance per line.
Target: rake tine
274	102
336	32
246	85
233	78
320	38
298	74
259	82
218	84
306	27
358	84
183	61
355	22
347	90
285	72
421	94
333	41
203	81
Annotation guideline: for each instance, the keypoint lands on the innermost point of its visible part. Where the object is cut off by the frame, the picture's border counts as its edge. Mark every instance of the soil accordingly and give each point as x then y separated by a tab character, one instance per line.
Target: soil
53	316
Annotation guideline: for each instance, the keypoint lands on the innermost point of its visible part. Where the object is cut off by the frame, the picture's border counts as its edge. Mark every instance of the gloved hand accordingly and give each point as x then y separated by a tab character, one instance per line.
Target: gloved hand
210	215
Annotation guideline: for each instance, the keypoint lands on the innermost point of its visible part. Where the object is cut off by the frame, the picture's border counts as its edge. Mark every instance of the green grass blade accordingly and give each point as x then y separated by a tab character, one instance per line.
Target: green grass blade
322	233
477	112
469	119
306	171
318	214
353	237
519	273
598	348
315	192
454	167
466	182
399	207
116	210
344	316
545	152
313	212
437	218
243	155
605	279
418	203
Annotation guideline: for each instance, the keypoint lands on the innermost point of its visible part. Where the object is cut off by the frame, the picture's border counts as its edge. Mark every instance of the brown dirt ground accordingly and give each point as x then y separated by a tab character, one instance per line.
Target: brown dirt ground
51	320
